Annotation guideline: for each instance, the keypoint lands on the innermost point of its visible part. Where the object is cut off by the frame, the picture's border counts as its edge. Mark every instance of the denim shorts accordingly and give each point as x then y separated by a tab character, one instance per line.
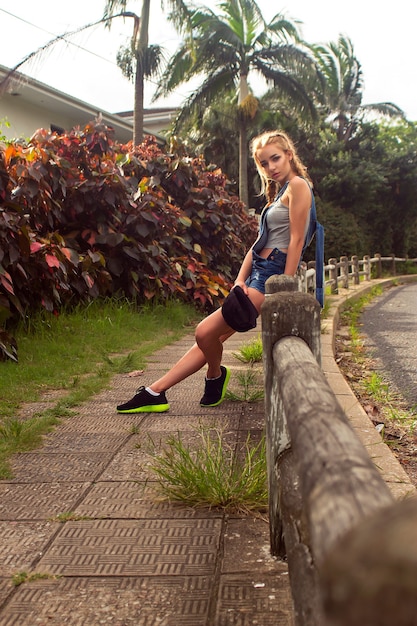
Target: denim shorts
262	268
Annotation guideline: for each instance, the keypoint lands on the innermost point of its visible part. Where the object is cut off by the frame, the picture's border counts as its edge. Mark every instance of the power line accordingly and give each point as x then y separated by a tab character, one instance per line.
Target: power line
62	37
69	42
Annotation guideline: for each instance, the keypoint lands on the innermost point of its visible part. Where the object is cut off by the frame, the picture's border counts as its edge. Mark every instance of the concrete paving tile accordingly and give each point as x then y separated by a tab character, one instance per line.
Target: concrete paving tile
22	543
136	500
6	589
119	601
38	501
175	547
36	467
246	547
264	600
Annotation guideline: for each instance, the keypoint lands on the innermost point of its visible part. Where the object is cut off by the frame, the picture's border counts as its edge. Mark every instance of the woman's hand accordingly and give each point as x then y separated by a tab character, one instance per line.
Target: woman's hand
242	285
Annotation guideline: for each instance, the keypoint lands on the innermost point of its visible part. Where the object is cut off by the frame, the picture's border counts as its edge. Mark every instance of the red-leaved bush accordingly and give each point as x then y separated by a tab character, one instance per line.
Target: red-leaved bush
82	216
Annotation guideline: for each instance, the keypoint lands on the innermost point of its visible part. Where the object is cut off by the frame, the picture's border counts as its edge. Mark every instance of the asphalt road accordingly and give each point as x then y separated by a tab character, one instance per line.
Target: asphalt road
390	326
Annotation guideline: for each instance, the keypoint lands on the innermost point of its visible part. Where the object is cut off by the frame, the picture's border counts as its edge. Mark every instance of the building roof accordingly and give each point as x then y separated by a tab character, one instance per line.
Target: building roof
27	102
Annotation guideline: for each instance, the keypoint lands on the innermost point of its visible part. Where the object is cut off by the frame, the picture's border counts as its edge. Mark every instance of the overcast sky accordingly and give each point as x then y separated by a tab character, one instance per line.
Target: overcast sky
383	37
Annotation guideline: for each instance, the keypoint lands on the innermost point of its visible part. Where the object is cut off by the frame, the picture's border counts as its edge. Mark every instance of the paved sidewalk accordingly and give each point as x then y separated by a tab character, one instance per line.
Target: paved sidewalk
126	558
123	557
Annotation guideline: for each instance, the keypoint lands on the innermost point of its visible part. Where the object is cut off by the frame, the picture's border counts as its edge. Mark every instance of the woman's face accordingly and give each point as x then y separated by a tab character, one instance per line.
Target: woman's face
276	163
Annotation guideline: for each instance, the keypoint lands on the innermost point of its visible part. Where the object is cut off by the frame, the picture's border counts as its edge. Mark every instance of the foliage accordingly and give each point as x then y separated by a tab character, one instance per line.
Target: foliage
363	168
367	190
211	475
250	352
139	60
3	123
343	235
83	217
65	360
399	143
214	134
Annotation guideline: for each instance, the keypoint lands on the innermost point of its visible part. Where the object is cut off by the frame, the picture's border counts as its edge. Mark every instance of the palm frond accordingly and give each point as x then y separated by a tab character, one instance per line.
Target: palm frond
285	28
110	8
179	16
215	87
287	84
176	72
385	108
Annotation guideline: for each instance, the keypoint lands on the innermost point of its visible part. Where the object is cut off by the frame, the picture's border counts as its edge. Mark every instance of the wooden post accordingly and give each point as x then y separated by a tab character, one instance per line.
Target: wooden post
311	286
370	577
344	267
333	276
367	266
284	312
355	269
277	439
393	269
378	265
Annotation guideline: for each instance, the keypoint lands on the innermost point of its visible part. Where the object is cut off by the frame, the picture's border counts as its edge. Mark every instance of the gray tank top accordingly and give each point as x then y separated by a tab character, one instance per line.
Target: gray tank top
275	225
278	226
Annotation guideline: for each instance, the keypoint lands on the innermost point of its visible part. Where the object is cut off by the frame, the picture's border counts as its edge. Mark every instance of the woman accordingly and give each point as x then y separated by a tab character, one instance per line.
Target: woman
278	249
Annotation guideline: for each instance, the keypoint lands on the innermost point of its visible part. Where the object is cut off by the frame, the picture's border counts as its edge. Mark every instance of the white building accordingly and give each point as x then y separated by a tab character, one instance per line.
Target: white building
28	105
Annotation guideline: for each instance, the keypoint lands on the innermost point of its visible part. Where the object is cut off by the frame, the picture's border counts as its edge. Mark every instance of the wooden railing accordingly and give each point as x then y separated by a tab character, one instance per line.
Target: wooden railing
348	271
351	549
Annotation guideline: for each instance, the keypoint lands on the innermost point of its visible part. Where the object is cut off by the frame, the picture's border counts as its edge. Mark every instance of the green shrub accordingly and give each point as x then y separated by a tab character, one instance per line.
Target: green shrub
82	217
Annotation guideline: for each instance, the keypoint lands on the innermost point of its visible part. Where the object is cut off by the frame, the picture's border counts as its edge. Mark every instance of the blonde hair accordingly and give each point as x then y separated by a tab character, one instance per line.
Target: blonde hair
270	187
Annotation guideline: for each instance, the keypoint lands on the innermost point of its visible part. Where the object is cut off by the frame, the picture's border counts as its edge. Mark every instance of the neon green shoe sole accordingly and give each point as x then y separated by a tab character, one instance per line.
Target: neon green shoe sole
152	408
216	389
145	402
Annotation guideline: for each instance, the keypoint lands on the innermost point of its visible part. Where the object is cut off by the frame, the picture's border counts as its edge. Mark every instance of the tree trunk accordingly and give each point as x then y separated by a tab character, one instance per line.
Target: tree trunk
243	162
141	46
138	105
243	140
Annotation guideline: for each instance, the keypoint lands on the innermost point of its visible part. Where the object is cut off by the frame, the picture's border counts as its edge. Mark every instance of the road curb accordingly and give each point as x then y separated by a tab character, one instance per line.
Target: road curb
386	462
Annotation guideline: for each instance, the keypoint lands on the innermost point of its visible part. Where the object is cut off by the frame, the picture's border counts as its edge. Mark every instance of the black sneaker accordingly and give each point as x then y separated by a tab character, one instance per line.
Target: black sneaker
145	402
215	390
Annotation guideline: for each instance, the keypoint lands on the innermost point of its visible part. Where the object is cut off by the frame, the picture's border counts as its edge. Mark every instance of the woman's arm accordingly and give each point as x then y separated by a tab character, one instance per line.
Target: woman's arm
299	203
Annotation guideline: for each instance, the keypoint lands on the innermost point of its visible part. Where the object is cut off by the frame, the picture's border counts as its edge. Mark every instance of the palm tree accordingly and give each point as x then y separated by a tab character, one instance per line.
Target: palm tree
224	49
342	94
139	60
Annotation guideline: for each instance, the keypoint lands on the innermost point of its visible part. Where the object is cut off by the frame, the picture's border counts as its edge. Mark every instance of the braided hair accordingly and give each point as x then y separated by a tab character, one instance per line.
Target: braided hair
270	187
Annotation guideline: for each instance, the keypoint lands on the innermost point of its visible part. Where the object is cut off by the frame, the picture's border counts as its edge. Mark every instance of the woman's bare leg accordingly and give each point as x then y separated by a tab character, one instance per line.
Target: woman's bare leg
194	359
210	335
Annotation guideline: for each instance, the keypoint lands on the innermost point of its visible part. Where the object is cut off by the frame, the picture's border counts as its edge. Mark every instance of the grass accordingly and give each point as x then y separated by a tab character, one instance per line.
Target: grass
24	577
324	314
354	309
74	356
380	390
250	352
373	384
249	390
212	474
